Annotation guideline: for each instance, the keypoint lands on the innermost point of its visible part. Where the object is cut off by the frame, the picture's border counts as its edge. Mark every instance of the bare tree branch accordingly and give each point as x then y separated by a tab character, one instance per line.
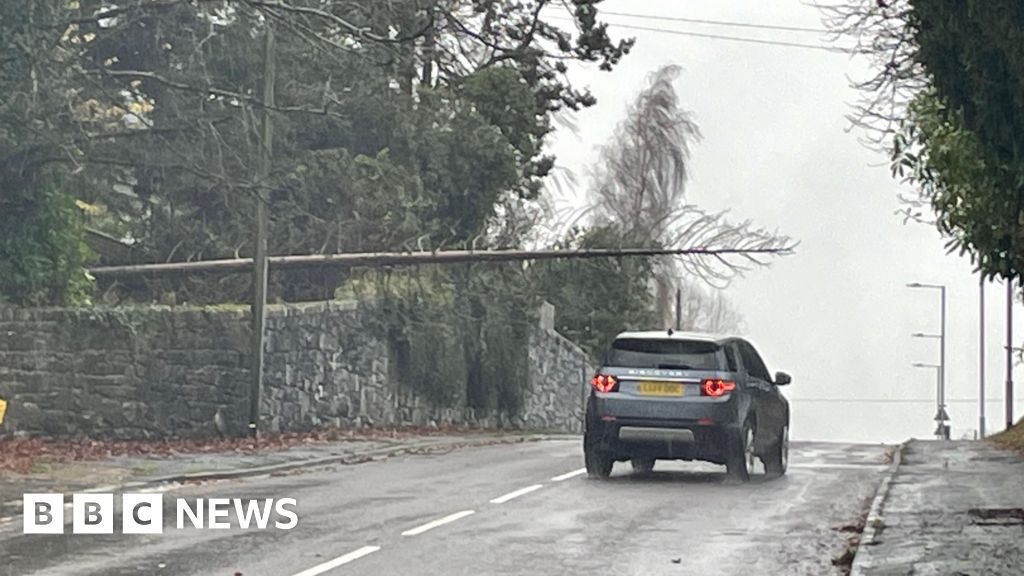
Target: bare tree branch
881	32
640	186
359	31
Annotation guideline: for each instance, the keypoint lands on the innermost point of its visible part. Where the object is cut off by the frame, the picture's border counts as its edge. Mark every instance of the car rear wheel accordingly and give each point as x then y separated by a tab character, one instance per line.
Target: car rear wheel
740	461
598	462
778	458
642	465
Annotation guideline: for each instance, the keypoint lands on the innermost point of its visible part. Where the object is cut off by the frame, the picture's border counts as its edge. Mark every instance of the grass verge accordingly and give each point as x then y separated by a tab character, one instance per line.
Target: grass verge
1012	437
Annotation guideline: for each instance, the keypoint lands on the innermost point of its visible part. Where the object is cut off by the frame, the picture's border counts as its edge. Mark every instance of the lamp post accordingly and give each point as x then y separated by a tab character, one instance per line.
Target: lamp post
941	415
981	358
940	391
1008	394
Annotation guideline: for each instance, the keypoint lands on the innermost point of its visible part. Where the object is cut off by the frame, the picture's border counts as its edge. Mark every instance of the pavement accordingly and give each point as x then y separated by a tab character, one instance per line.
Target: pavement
952	508
513	508
134	472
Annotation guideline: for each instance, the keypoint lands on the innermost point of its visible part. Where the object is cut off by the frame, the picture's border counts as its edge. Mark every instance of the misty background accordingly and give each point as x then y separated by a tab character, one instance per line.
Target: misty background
777	148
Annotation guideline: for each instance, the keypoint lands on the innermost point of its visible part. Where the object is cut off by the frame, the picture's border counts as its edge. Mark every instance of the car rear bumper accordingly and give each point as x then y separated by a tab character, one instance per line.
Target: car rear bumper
626	439
671	430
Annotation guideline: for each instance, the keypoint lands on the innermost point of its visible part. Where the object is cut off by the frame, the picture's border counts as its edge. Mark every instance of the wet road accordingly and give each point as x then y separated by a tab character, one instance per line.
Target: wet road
512	509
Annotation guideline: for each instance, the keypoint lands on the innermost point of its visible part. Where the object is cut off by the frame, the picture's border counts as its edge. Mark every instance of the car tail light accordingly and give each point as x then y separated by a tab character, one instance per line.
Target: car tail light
603	383
716	388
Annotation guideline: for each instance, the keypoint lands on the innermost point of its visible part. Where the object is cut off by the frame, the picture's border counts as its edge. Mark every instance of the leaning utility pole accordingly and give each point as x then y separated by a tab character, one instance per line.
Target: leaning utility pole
260	257
385	259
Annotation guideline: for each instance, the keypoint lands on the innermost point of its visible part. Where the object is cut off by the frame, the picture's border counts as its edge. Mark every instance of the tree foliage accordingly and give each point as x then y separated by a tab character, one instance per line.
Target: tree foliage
968	157
638	199
41	249
460	336
596	299
946	101
960	180
402	124
42	253
408	124
640	189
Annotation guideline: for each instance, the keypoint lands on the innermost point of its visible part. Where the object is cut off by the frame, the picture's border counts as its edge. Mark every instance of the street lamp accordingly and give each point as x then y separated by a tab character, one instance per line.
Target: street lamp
941	417
942	347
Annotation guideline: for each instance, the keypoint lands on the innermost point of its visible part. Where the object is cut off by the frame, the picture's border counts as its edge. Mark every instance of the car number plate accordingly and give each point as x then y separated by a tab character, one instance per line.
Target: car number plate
660	389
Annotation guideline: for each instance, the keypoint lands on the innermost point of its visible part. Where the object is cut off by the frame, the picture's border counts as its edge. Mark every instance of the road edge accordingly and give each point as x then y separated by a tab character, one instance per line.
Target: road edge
874	524
358	457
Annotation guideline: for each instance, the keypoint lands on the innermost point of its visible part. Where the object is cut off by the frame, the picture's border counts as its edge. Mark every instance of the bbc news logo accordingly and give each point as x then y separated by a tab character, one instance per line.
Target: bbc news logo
144	513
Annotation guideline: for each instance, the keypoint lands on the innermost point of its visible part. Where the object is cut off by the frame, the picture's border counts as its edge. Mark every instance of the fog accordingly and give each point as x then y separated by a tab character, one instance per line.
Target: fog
778	149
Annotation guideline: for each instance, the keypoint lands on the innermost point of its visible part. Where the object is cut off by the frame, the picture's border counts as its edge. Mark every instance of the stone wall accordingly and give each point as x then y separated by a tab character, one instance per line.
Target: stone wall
324	367
559	372
176	372
121	373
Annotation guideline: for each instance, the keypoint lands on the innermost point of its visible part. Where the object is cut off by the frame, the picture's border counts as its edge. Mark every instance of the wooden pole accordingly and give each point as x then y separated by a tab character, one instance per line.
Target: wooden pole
384	259
679	307
259	260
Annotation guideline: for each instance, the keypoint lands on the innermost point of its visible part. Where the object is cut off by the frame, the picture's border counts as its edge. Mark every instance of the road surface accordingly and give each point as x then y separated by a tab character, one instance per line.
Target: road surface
508	509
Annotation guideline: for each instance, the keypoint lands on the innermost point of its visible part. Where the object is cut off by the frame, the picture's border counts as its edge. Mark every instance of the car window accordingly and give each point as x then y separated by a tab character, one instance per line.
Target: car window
665	353
730	358
753	363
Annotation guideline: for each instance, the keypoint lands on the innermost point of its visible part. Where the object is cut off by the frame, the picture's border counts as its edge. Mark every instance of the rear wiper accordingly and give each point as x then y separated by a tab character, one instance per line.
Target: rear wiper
675	366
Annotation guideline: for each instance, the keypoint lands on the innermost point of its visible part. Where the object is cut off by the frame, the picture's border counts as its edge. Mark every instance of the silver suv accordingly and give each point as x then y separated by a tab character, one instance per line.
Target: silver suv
685	396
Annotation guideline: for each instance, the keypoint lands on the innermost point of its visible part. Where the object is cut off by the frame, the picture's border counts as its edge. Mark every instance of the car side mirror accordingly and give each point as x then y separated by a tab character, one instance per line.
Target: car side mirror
782	379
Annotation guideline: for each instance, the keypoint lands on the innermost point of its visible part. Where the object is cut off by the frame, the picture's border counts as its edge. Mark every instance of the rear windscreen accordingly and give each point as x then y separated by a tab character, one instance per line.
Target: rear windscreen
667	354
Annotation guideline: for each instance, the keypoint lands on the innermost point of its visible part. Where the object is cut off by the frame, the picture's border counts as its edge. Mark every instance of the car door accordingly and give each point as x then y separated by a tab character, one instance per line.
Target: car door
737	365
760	385
770	408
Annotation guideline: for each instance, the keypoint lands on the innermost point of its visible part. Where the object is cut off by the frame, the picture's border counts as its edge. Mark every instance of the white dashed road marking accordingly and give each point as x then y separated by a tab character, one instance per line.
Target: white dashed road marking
438	522
340	560
516	494
568	475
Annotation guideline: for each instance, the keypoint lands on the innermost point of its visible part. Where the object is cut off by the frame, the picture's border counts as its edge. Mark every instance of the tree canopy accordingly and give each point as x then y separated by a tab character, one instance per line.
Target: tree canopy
947	102
400	125
640	189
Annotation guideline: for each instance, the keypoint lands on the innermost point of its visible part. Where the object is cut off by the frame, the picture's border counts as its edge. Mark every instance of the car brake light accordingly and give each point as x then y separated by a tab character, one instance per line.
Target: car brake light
716	388
603	383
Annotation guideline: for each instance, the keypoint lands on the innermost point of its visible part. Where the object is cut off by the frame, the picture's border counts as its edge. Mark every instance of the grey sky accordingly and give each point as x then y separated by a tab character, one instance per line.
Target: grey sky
777	150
